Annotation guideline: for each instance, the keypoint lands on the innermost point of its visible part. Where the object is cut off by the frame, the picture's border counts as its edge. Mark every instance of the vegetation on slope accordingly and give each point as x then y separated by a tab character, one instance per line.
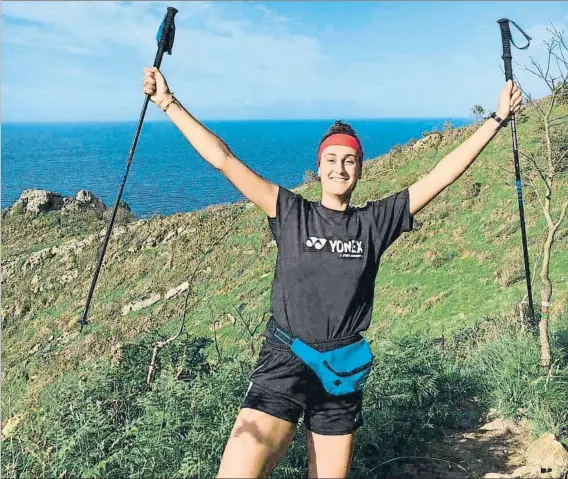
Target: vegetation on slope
448	341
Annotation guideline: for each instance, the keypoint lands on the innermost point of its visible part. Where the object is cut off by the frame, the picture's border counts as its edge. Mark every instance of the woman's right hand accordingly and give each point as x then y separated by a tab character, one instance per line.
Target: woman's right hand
156	86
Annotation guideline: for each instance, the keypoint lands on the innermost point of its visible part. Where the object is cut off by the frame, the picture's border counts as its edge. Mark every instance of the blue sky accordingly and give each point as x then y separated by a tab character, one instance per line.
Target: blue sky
83	61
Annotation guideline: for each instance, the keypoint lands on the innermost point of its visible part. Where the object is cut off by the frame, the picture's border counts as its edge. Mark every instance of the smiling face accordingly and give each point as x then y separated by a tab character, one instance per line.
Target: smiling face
339	170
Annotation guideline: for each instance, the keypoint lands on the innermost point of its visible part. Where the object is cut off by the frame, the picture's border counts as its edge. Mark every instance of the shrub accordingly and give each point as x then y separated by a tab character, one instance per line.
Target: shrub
516	385
310	176
107	422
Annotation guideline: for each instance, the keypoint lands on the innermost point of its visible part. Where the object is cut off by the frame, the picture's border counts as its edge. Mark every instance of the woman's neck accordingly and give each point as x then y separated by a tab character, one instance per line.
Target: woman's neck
335	202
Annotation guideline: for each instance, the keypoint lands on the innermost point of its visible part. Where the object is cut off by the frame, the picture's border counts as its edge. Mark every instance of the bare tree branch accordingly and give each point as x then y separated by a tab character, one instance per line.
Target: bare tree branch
552	156
520	87
537	193
419	457
560	158
562	213
558	39
539	72
260	323
251	332
534	275
204	254
558	119
561	75
540	172
536	104
550	48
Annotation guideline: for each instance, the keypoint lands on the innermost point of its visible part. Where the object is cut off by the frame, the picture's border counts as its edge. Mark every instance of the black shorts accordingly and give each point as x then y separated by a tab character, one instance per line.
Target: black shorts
282	385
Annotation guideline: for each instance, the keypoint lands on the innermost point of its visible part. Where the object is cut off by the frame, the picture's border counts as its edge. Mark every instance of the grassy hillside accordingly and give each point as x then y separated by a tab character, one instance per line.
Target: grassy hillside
462	265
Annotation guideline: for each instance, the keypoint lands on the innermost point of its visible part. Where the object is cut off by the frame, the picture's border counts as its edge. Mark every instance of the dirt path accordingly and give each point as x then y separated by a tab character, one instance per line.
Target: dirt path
497	447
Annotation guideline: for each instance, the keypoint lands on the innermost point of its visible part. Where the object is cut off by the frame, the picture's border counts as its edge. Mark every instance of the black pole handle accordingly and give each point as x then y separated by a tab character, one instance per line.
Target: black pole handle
506	41
166	36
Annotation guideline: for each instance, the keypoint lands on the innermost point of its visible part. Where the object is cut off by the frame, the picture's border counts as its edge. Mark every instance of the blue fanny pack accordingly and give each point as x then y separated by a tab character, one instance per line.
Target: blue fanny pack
342	371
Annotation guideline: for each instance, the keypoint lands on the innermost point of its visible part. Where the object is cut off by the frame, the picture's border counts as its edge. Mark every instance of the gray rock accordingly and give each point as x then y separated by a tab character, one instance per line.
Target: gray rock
42	201
527	472
137	306
84	200
549	455
37	201
175	291
89	199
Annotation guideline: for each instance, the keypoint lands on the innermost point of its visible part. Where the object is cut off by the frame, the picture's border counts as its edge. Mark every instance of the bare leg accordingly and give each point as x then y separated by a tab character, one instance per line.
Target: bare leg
330	456
256	444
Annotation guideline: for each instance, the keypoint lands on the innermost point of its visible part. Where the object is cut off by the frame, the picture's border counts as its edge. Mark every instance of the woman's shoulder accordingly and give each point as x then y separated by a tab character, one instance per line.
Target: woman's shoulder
293	197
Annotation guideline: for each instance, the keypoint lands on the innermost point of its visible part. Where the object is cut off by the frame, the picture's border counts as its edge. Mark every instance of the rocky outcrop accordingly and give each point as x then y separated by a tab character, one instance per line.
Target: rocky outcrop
175	291
154	298
137	306
37	201
43	201
83	200
432	140
548	455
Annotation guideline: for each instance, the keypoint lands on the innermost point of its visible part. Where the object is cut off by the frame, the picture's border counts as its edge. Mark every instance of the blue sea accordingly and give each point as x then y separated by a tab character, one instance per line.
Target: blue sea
167	175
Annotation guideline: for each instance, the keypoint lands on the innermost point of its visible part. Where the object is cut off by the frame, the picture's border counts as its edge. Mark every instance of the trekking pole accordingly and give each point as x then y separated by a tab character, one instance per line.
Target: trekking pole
507	39
165	39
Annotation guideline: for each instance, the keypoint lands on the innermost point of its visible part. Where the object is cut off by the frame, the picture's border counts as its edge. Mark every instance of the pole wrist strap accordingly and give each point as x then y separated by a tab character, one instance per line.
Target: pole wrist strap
502	122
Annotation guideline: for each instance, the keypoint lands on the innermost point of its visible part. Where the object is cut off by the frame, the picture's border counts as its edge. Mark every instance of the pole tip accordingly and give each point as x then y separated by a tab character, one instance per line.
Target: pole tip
82	322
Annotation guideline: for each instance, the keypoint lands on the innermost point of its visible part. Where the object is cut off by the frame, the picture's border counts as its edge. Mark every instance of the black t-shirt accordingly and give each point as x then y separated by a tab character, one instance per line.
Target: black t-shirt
327	263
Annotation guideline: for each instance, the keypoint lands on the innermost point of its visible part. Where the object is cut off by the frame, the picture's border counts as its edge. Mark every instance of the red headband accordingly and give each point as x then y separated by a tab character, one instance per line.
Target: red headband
341	139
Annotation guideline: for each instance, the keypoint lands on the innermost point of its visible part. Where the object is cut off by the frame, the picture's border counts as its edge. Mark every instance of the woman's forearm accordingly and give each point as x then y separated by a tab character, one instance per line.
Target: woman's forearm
453	165
212	148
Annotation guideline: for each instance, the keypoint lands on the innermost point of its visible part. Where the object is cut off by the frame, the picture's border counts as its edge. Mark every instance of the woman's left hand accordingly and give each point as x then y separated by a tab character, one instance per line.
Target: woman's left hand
510	100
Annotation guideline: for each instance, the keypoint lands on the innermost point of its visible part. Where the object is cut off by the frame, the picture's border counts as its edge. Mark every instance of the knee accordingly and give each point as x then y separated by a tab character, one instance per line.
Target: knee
330	456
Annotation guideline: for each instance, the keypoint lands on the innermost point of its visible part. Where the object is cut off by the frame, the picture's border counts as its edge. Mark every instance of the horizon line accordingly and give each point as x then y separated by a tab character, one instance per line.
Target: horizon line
48	122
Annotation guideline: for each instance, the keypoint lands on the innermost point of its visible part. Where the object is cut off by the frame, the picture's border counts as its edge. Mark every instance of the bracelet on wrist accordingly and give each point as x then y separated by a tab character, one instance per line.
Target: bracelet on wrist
166	104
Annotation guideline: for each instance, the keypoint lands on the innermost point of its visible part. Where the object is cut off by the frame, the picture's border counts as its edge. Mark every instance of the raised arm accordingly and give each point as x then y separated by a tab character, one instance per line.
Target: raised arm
455	163
213	149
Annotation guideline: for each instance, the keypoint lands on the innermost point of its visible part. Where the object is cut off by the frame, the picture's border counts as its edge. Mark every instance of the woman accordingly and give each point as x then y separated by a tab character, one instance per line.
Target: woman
328	258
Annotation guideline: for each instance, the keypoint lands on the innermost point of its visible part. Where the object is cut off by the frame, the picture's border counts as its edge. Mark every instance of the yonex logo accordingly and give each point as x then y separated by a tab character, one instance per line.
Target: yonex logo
317	243
346	249
346	246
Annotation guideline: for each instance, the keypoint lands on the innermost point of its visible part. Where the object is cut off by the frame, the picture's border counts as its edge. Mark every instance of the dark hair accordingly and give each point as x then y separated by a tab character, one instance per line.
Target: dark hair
341	127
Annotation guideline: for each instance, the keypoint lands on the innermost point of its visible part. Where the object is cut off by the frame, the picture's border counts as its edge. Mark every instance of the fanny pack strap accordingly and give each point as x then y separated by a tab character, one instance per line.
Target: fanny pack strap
273	328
